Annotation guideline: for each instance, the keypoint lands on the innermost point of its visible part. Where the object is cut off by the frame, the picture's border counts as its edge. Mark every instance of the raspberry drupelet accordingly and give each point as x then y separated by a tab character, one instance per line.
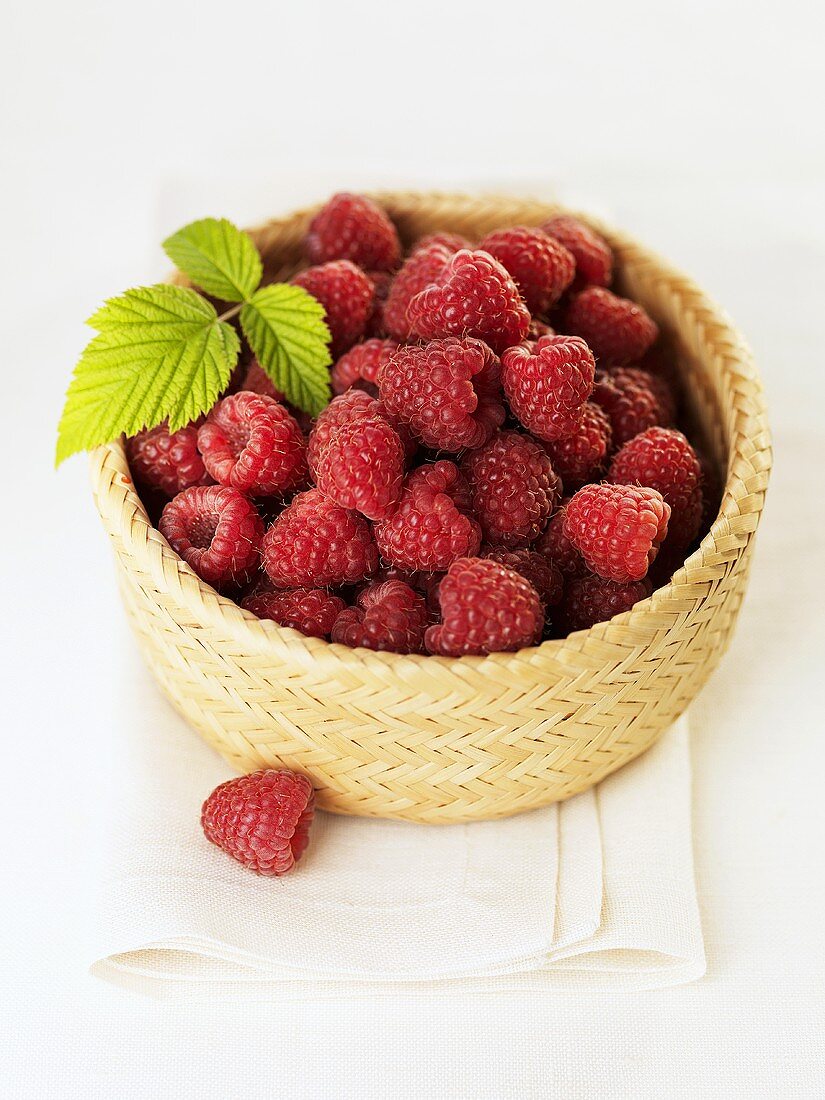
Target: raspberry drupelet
216	531
485	608
547	384
253	444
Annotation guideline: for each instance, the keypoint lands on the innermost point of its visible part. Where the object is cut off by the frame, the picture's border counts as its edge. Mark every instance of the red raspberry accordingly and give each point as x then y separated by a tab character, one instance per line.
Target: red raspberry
310	610
541	268
659	387
580	457
617	529
591	599
353	227
554	544
447	391
316	543
262	819
361	466
592	253
216	531
168	462
341	410
420	270
252	443
543	573
663	459
626	395
431	527
346	294
256	380
453	241
617	330
514	488
381	282
472	296
389	617
485	608
538	329
547	384
360	365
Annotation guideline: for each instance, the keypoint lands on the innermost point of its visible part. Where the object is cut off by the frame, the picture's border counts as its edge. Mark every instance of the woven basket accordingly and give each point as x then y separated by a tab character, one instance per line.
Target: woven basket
445	740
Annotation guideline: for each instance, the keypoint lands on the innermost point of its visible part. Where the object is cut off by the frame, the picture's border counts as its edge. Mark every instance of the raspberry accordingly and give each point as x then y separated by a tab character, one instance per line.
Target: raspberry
659	387
617	330
430	527
353	227
361	466
310	610
381	282
591	599
472	296
554	544
663	459
485	608
538	329
547	384
626	395
541	268
262	819
579	458
346	294
167	461
514	488
453	241
594	259
447	391
251	443
315	543
216	531
341	410
543	573
617	529
420	270
256	380
360	365
388	616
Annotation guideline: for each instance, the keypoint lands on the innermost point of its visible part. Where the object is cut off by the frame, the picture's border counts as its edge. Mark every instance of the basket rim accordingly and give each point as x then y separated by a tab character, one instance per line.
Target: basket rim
113	488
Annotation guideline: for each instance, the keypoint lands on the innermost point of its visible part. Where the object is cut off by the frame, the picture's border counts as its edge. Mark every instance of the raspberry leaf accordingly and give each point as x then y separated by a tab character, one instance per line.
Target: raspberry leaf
218	257
285	327
161	353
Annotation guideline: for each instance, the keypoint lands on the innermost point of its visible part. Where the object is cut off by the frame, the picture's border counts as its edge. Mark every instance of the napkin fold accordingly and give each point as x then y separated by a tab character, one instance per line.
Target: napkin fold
596	892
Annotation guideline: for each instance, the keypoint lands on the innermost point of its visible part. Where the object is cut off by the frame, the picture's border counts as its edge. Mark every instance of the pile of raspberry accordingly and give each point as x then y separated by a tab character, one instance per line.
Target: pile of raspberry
500	462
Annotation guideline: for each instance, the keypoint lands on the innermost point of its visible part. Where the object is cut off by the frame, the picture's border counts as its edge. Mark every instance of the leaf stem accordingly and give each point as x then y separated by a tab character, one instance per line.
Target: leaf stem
233	312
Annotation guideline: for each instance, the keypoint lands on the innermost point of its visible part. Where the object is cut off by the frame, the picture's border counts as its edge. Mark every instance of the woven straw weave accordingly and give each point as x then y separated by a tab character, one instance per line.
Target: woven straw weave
445	740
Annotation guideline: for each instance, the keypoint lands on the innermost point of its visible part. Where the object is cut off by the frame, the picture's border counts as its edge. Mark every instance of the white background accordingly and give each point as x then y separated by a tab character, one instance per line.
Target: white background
697	127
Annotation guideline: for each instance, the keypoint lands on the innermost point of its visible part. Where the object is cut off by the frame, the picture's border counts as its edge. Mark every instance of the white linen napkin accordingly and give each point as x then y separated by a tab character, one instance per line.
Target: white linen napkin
597	892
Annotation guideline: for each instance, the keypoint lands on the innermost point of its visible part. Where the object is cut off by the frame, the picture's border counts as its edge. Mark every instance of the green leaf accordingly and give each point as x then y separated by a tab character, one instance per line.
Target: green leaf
285	327
217	257
160	353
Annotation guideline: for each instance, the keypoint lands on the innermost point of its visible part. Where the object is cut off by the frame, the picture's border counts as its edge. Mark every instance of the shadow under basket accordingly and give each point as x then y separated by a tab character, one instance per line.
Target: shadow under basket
439	739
